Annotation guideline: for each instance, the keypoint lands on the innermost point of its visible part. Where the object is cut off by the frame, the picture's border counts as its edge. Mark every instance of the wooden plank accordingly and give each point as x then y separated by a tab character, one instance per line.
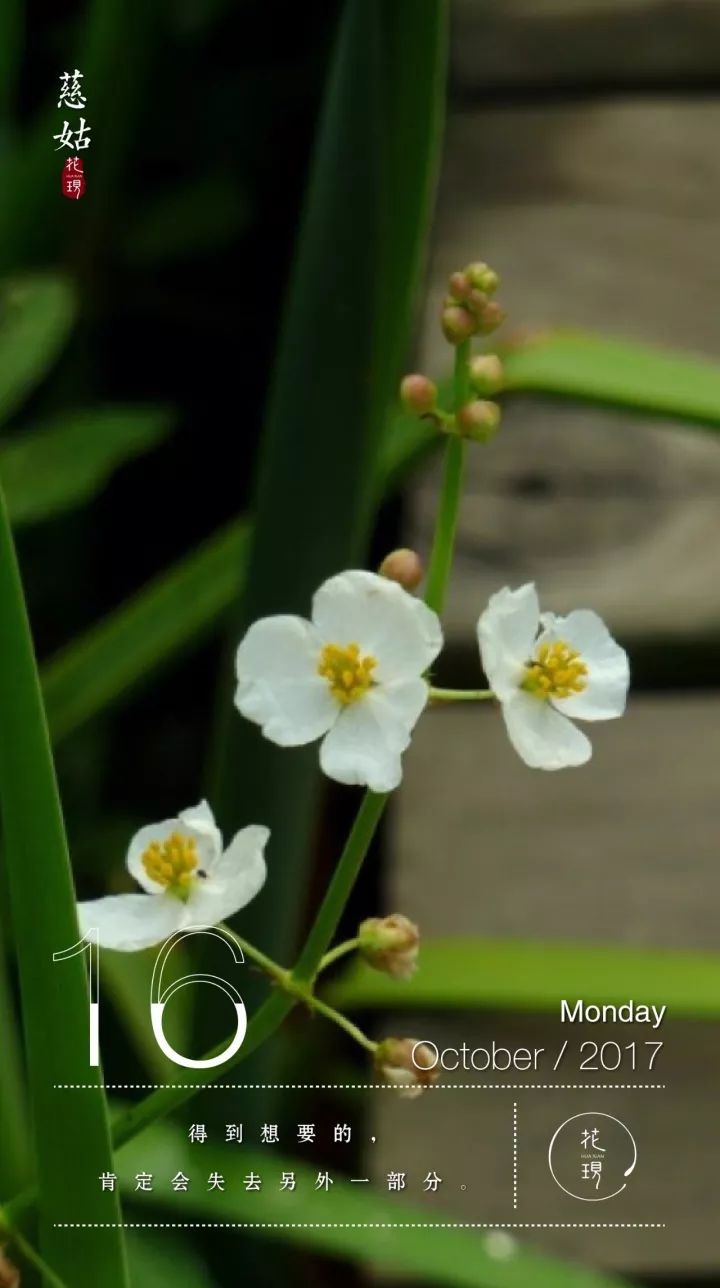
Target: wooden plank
600	216
623	850
546	43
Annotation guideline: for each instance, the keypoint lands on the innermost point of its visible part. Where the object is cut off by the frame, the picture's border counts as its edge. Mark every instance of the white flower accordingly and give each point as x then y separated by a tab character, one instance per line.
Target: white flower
353	674
190	880
571	670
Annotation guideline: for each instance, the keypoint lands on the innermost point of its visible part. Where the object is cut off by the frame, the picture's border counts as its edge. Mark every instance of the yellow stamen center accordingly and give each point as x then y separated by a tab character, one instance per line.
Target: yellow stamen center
173	863
557	671
348	674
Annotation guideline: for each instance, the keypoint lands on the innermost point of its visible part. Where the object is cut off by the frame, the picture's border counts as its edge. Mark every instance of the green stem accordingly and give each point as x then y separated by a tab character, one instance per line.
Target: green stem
443	546
338	1018
29	1253
343	880
271	968
340	950
460	695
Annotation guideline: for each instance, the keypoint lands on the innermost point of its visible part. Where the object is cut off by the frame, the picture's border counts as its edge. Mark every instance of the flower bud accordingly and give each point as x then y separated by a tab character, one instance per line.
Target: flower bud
407	1063
458	323
459	286
478	420
390	944
482	277
486	373
490	317
403	566
418	394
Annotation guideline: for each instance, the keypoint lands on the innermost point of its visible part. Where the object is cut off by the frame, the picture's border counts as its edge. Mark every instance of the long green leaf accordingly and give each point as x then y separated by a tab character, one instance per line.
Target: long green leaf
348	1222
468	973
620	372
166	616
14	1162
55	466
346	329
55	999
36	314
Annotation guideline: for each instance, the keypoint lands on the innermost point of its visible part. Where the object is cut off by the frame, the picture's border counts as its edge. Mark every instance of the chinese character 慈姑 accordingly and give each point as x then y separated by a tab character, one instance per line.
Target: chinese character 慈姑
71	94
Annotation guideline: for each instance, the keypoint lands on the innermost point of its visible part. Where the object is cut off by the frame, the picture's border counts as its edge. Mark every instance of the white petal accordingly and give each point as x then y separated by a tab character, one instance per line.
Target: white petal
363	608
365	745
129	922
278	683
201	821
605	694
233	881
506	634
543	737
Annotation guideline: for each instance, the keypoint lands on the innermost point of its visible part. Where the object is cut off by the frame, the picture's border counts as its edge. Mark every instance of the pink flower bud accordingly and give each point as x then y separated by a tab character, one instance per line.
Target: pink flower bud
407	1063
478	420
390	944
486	373
403	566
458	323
459	286
418	394
490	317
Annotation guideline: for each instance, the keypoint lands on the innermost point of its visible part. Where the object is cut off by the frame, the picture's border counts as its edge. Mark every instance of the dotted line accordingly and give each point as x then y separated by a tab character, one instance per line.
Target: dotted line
515	1154
359	1225
356	1086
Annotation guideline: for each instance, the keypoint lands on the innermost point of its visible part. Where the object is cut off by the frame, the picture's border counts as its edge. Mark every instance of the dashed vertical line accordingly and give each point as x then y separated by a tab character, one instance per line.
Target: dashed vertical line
515	1154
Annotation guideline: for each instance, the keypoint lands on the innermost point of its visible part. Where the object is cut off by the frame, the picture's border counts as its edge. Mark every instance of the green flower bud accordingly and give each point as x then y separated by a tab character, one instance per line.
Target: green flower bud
486	373
478	420
483	277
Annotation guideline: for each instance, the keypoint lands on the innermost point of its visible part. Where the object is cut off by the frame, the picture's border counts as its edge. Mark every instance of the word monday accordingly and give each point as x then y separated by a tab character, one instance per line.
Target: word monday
627	1013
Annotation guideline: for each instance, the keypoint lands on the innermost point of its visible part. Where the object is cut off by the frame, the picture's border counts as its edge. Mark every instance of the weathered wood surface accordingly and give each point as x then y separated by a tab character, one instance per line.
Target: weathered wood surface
599	215
624	850
522	43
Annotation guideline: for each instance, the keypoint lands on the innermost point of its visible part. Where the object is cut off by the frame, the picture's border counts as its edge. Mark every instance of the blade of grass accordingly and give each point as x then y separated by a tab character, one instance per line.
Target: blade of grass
55	997
618	372
58	465
36	314
469	973
352	1225
14	1160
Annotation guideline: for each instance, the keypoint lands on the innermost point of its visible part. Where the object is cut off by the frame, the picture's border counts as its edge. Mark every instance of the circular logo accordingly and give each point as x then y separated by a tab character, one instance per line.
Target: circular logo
591	1156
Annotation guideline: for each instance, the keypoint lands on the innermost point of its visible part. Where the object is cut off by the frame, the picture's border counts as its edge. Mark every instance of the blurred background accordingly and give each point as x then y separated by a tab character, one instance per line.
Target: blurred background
579	159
